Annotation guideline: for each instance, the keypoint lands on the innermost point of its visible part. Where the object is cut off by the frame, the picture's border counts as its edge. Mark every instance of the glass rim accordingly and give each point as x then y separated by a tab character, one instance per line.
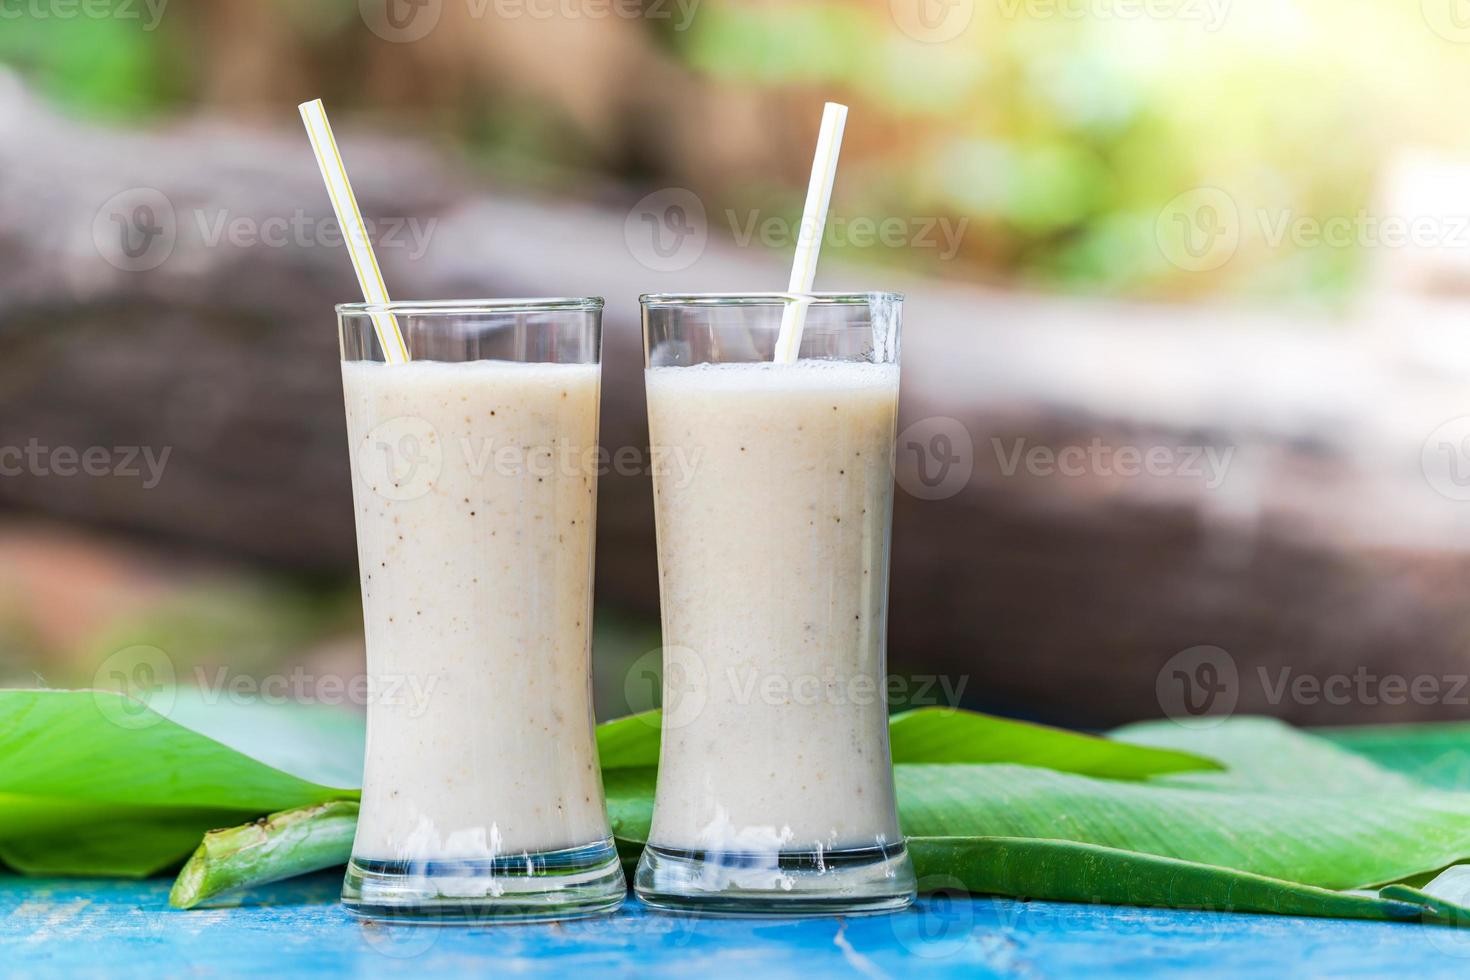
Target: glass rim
767	298
441	307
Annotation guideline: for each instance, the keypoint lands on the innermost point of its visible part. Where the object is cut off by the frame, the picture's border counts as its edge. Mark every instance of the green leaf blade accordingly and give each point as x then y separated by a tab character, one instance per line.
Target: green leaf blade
951	735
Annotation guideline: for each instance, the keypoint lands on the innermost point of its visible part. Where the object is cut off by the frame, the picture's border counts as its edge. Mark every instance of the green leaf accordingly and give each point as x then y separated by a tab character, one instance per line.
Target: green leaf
631	742
1447	897
1266	754
952	735
1066	871
949	735
1331	841
1437	755
53	838
94	783
282	845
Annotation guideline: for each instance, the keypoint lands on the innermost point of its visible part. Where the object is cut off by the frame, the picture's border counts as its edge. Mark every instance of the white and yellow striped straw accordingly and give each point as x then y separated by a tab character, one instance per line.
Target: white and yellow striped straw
813	226
354	232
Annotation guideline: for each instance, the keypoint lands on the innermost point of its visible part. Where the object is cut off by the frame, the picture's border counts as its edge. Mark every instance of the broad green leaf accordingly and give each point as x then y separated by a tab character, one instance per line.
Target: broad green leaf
1436	754
1287	809
123	843
1065	871
629	743
1327	840
93	783
1266	754
952	735
70	745
949	735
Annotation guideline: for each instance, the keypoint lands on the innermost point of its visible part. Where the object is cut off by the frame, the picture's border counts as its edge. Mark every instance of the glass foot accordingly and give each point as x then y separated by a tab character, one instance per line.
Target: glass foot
858	881
539	887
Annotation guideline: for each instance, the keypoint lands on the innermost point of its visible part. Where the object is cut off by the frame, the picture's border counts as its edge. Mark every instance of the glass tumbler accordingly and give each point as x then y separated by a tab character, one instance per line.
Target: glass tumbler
474	486
773	501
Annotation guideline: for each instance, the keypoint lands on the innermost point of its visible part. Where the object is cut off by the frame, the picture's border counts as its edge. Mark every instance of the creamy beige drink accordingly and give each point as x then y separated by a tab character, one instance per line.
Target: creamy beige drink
773	565
474	487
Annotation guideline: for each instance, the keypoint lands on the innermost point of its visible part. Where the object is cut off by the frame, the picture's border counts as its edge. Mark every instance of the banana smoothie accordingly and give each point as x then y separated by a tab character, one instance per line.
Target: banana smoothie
773	567
474	491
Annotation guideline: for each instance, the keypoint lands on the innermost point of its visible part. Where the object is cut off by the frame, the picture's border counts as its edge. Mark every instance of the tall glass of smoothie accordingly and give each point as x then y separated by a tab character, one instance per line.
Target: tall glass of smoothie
775	788
474	484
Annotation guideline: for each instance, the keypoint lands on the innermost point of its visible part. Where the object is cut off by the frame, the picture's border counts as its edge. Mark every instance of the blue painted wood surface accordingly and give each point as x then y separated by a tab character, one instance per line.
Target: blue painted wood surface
125	929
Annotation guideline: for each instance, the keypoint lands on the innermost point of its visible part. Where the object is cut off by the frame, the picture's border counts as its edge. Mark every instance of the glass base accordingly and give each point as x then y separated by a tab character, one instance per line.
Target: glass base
539	887
859	881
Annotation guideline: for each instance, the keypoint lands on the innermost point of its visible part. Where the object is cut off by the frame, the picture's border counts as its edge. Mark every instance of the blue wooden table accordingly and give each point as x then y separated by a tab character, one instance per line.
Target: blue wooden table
71	928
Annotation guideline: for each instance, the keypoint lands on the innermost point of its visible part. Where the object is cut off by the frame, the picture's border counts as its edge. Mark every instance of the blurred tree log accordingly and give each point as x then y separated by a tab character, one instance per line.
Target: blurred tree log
141	305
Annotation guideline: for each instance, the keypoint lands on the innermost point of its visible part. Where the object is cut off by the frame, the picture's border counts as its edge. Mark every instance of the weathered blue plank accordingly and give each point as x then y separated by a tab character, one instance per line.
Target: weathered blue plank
124	929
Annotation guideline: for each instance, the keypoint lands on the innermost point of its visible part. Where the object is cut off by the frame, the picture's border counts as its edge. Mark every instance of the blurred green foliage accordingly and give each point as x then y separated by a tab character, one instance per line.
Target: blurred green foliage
105	67
1059	130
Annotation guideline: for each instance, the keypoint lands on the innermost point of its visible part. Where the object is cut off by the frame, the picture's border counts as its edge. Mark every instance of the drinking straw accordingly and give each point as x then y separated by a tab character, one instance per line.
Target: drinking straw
354	232
813	225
